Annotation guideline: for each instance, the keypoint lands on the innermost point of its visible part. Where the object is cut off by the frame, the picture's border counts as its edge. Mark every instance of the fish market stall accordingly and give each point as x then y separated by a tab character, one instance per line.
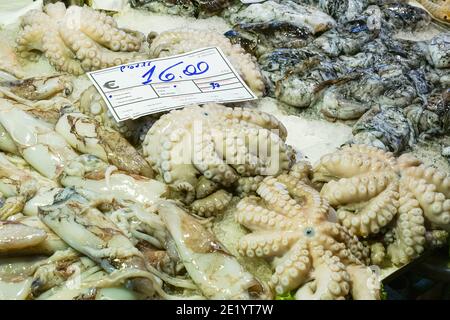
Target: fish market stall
224	149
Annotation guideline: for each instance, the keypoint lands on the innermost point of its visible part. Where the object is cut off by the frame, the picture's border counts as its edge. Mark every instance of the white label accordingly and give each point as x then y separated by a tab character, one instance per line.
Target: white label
136	89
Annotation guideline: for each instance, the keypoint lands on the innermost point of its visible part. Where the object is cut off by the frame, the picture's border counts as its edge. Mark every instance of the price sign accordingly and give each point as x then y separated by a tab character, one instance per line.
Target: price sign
136	89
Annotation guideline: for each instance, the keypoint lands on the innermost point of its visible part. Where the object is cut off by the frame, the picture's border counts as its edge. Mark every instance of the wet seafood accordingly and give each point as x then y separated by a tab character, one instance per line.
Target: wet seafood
77	39
342	11
262	37
22	187
92	104
439	9
37	88
385	127
216	272
177	7
439	51
100	182
317	258
49	244
194	8
302	85
346	39
370	189
218	143
402	16
10	68
302	16
38	143
16	236
433	118
180	41
88	136
90	232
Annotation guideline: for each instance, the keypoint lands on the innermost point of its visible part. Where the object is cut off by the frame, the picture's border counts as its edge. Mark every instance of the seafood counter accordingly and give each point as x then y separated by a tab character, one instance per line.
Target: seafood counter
338	172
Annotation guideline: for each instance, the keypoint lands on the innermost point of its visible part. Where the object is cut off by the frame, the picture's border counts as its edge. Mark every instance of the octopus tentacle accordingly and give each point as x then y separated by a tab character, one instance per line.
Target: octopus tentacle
212	204
292	270
27	43
372	152
255	217
364	283
432	176
205	187
436	238
376	214
314	251
248	185
377	253
266	244
356	189
409	232
277	197
104	30
258	118
331	280
313	206
345	165
400	190
211	164
357	249
92	56
433	203
77	39
302	170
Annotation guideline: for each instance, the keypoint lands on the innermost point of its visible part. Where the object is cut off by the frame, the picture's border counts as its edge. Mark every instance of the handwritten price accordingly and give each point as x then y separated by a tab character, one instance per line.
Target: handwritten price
166	75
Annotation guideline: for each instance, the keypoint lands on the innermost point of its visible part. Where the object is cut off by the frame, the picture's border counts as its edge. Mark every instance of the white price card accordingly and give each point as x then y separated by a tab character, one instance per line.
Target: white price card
136	89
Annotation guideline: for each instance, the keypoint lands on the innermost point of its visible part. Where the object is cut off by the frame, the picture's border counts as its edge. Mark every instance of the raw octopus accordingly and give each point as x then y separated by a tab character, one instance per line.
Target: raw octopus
311	255
373	191
77	39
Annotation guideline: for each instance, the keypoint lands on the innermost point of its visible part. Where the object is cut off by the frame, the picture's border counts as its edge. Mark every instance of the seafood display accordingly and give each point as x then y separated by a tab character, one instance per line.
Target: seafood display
201	151
221	200
378	195
317	258
77	39
348	59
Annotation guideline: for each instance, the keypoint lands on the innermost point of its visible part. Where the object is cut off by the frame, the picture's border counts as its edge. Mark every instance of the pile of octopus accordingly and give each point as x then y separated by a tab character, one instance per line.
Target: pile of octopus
324	184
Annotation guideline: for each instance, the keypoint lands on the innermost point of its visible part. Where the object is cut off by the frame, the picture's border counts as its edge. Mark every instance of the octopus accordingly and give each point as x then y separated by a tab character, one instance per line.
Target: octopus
92	104
438	52
373	191
77	39
201	151
342	11
433	118
314	20
175	42
439	9
196	8
385	127
310	254
262	37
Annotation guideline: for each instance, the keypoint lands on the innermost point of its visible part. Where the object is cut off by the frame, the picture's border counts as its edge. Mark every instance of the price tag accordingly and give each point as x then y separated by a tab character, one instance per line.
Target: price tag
136	89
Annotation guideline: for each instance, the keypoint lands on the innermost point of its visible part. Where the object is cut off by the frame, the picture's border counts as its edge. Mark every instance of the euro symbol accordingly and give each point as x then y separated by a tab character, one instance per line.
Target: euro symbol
111	85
